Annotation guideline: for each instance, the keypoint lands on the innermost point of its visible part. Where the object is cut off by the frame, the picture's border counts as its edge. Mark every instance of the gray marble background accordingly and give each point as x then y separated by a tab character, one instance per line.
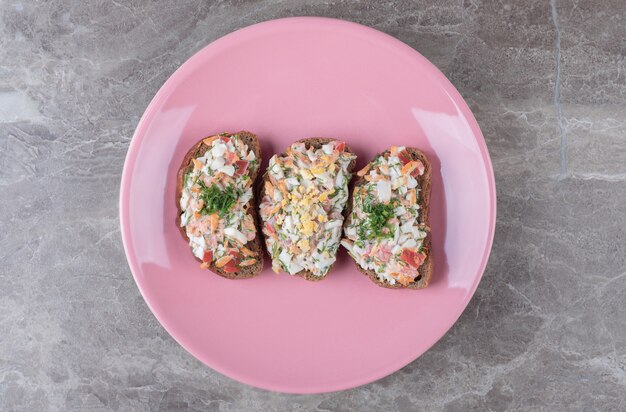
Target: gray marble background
546	329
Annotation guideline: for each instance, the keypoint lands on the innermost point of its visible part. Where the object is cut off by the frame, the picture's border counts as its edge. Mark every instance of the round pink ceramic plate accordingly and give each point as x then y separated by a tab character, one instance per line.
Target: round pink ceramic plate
285	80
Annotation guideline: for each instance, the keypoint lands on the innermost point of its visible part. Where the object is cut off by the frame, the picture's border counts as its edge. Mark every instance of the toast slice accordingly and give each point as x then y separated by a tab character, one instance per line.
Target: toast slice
387	230
302	205
217	213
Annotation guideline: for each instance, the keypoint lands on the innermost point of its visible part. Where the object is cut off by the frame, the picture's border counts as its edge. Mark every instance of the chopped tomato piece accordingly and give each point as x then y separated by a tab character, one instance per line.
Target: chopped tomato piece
407	256
341	146
419	170
233	264
229	157
413	258
208	256
419	259
270	229
230	267
404	157
242	166
225	139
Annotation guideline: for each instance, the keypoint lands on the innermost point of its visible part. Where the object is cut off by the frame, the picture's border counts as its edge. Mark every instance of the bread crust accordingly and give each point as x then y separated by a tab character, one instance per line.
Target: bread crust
316	143
424	182
254	245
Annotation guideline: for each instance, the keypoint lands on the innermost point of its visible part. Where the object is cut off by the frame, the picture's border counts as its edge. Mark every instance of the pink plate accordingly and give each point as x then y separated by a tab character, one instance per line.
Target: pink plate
285	80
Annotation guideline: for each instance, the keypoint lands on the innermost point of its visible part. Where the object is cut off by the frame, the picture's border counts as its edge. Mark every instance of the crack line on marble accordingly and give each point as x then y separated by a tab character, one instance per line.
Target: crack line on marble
524	155
557	92
611	280
613	177
530	302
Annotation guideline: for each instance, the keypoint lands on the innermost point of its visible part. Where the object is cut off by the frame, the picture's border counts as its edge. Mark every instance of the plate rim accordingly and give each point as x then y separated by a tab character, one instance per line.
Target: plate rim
169	85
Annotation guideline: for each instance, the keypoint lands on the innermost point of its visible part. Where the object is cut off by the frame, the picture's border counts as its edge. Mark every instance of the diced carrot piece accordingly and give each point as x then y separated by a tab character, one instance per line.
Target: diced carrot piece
363	171
247	252
214	221
282	187
275	209
197	165
248	262
373	178
408	168
412	197
404	280
209	140
221	262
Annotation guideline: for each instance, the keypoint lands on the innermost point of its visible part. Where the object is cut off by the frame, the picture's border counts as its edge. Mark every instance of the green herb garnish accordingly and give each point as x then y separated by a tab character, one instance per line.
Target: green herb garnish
376	221
217	200
333	248
336	192
275	251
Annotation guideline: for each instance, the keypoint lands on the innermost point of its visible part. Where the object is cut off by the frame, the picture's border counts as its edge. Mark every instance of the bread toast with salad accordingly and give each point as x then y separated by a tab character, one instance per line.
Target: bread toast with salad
303	197
216	205
387	230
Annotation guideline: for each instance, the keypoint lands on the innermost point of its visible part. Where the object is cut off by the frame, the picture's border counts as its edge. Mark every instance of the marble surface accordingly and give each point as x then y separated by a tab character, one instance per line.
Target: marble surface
546	329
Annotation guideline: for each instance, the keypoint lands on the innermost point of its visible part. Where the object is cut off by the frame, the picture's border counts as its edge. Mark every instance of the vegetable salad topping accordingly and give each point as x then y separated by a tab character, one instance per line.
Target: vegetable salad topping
305	192
383	233
215	200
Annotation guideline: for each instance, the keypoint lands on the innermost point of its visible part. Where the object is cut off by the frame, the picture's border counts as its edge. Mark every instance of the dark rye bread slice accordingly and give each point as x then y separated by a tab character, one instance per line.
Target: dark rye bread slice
316	143
424	183
255	245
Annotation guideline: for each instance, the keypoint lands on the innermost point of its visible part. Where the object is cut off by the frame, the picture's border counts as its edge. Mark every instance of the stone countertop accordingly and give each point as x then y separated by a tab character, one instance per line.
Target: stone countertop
546	329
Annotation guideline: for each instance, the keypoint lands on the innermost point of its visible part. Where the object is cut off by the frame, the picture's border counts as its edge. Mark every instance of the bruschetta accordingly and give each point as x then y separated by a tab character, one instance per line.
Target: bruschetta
387	230
216	206
303	198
